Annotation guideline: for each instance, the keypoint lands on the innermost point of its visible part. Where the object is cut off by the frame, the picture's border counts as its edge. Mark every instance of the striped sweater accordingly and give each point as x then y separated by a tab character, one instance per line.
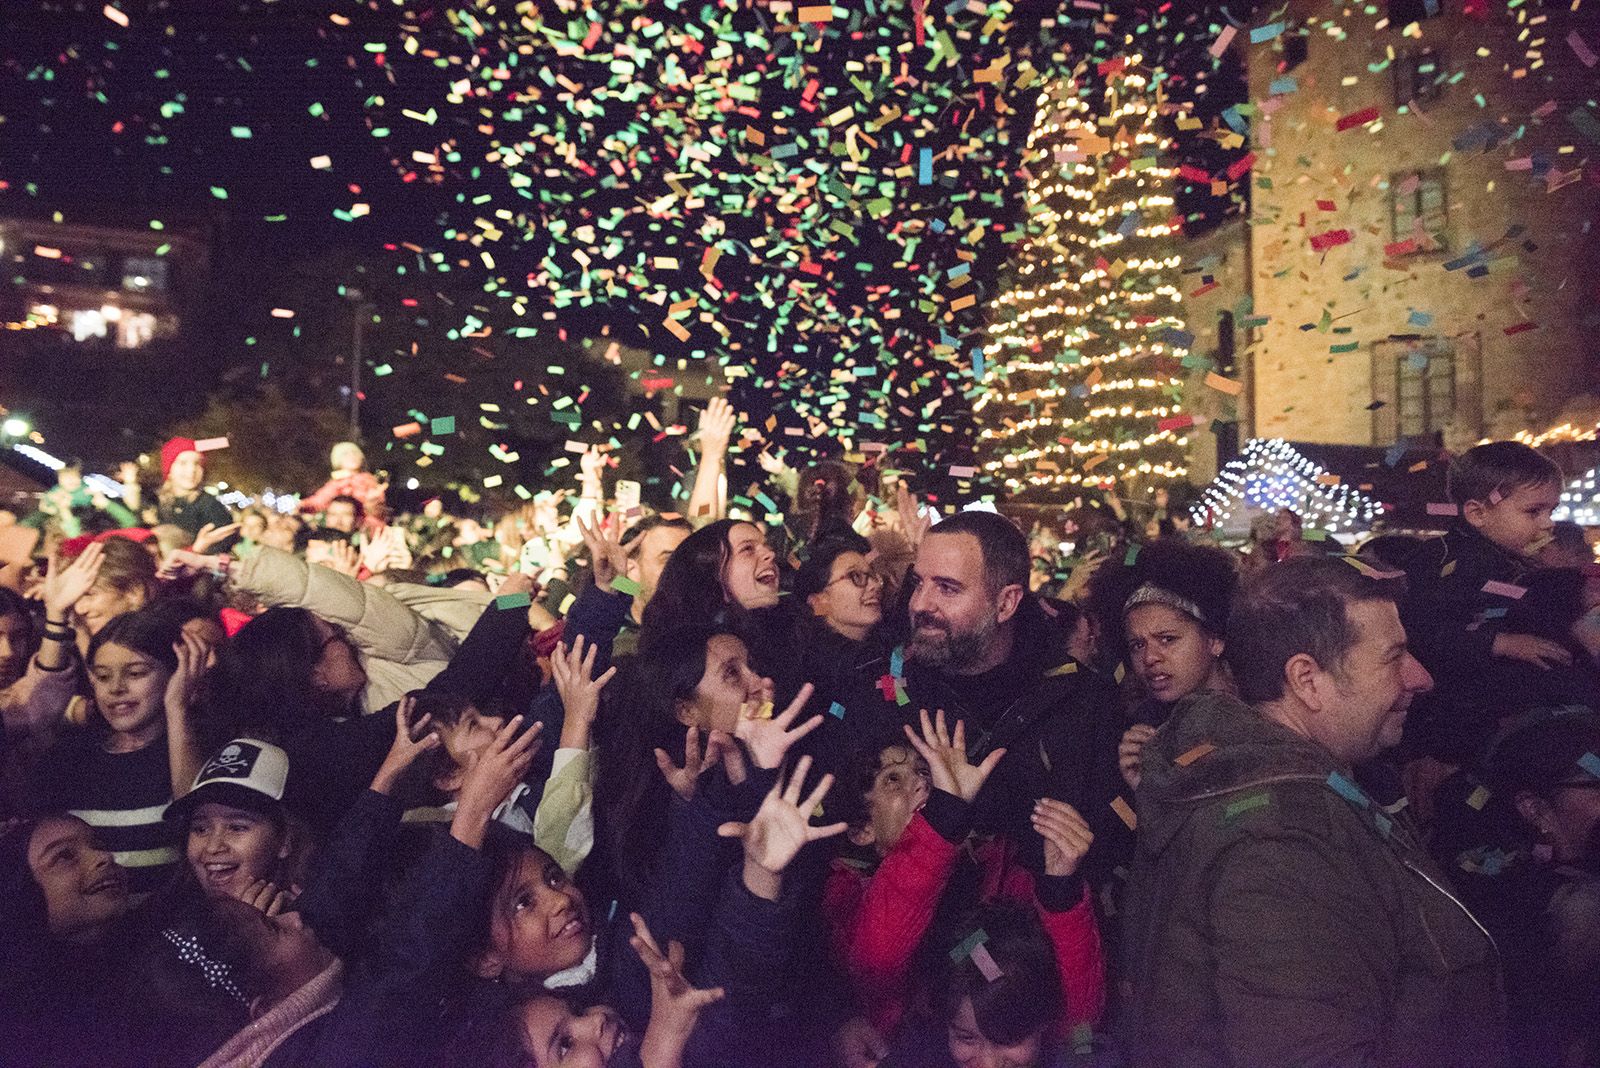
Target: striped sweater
121	795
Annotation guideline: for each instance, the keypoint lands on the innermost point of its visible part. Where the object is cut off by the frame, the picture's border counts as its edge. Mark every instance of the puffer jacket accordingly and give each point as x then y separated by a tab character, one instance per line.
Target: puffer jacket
400	650
1278	917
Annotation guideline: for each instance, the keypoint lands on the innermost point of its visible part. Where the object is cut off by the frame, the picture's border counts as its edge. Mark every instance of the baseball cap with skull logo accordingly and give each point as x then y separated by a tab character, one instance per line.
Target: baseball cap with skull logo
244	773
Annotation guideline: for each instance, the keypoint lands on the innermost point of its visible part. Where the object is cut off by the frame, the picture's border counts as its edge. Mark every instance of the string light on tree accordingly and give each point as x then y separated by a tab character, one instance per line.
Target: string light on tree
1084	350
1270	475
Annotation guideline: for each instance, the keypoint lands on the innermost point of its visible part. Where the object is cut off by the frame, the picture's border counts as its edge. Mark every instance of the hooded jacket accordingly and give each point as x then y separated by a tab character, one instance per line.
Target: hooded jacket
1278	917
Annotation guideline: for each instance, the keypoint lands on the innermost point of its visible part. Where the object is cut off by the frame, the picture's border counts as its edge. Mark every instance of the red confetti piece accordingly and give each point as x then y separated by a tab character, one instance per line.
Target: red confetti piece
1357	118
1241	165
1520	328
1328	239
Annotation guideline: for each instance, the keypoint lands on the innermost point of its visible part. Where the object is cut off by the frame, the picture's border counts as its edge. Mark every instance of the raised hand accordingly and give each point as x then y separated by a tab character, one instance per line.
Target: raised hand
64	583
343	558
684	780
195	658
1077	583
211	536
573	669
1066	835
781	827
492	773
716	425
946	755
675	1004
771	462
913	524
591	464
412	738
603	539
769	740
1129	751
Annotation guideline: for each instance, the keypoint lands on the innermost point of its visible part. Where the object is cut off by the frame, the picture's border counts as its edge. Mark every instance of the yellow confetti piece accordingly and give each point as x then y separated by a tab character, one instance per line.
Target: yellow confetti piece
1194	754
1125	812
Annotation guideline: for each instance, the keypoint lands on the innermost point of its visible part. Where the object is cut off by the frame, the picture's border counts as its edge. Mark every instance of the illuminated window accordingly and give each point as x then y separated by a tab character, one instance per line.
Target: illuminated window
144	274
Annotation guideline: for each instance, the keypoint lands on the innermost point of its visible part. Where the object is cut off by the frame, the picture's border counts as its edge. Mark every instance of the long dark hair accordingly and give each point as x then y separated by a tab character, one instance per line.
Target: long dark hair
691	590
263	679
639	714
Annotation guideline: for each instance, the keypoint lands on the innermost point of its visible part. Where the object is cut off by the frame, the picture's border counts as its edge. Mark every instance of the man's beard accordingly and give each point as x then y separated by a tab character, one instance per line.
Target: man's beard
941	646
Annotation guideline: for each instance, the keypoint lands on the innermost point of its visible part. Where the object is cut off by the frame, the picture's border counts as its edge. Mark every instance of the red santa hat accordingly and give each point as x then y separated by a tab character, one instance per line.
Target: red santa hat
174	448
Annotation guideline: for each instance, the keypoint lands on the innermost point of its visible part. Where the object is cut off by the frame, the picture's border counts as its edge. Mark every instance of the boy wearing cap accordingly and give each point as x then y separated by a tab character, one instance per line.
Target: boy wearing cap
238	840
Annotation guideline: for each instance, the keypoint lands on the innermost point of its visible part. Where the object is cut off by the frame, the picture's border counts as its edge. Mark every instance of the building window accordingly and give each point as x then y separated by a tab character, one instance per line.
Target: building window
1418	78
1425	391
144	274
1403	13
1417	209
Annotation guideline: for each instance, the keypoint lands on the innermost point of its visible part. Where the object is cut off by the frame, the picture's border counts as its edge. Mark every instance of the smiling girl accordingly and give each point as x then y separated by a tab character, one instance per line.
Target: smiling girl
119	774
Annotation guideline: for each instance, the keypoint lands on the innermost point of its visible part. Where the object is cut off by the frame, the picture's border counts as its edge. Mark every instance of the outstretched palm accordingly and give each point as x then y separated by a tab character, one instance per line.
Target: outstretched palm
782	826
946	755
769	739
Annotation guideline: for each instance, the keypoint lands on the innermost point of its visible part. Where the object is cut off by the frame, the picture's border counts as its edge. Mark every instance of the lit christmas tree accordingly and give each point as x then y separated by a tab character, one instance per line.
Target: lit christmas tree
1084	351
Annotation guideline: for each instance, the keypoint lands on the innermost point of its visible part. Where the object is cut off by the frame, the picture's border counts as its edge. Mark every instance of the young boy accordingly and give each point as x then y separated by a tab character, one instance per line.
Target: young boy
1459	588
561	818
909	820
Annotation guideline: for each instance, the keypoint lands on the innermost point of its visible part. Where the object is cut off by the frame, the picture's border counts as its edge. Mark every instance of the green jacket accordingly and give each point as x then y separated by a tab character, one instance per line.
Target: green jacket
1276	917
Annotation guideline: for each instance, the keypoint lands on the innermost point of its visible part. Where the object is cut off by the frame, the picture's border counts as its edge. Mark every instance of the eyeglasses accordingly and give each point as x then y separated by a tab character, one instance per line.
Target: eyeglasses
859	579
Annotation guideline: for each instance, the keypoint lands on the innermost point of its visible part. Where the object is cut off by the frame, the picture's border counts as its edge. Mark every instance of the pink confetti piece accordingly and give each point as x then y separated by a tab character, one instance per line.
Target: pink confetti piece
1443	509
1224	39
210	444
981	957
1581	49
1496	588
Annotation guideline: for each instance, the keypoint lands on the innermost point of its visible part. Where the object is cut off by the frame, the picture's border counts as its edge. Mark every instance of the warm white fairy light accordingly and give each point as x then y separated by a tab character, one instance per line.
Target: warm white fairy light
1081	356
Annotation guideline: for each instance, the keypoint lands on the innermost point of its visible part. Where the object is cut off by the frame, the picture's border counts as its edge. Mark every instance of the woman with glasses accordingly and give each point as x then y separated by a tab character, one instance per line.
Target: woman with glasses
839	606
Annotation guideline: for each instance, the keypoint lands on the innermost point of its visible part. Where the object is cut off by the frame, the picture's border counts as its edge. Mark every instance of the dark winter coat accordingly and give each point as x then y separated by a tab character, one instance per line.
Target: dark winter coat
1277	917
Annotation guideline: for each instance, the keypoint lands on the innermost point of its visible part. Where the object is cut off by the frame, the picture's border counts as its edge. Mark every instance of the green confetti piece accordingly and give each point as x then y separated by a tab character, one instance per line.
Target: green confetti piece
1245	804
513	600
624	584
445	424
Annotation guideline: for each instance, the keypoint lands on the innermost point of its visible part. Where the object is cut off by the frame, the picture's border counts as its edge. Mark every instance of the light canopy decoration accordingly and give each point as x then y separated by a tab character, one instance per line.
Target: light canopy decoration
1270	475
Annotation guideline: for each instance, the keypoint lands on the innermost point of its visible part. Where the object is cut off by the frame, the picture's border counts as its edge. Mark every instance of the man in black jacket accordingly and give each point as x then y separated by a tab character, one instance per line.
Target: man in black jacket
981	648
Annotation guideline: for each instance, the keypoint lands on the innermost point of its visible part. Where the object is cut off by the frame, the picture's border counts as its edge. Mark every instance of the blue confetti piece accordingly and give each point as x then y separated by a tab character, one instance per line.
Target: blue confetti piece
1282	85
1419	318
1347	789
1590	763
836	710
897	662
1265	33
925	166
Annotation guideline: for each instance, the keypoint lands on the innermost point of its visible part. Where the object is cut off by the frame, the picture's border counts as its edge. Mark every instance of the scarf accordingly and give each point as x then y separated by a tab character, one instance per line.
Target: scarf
250	1047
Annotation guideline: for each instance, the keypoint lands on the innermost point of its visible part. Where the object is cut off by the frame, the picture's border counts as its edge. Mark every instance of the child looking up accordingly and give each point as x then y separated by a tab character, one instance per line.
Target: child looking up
880	912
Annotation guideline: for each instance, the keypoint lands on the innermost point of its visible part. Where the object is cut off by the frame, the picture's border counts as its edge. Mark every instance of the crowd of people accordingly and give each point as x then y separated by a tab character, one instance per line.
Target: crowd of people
876	784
